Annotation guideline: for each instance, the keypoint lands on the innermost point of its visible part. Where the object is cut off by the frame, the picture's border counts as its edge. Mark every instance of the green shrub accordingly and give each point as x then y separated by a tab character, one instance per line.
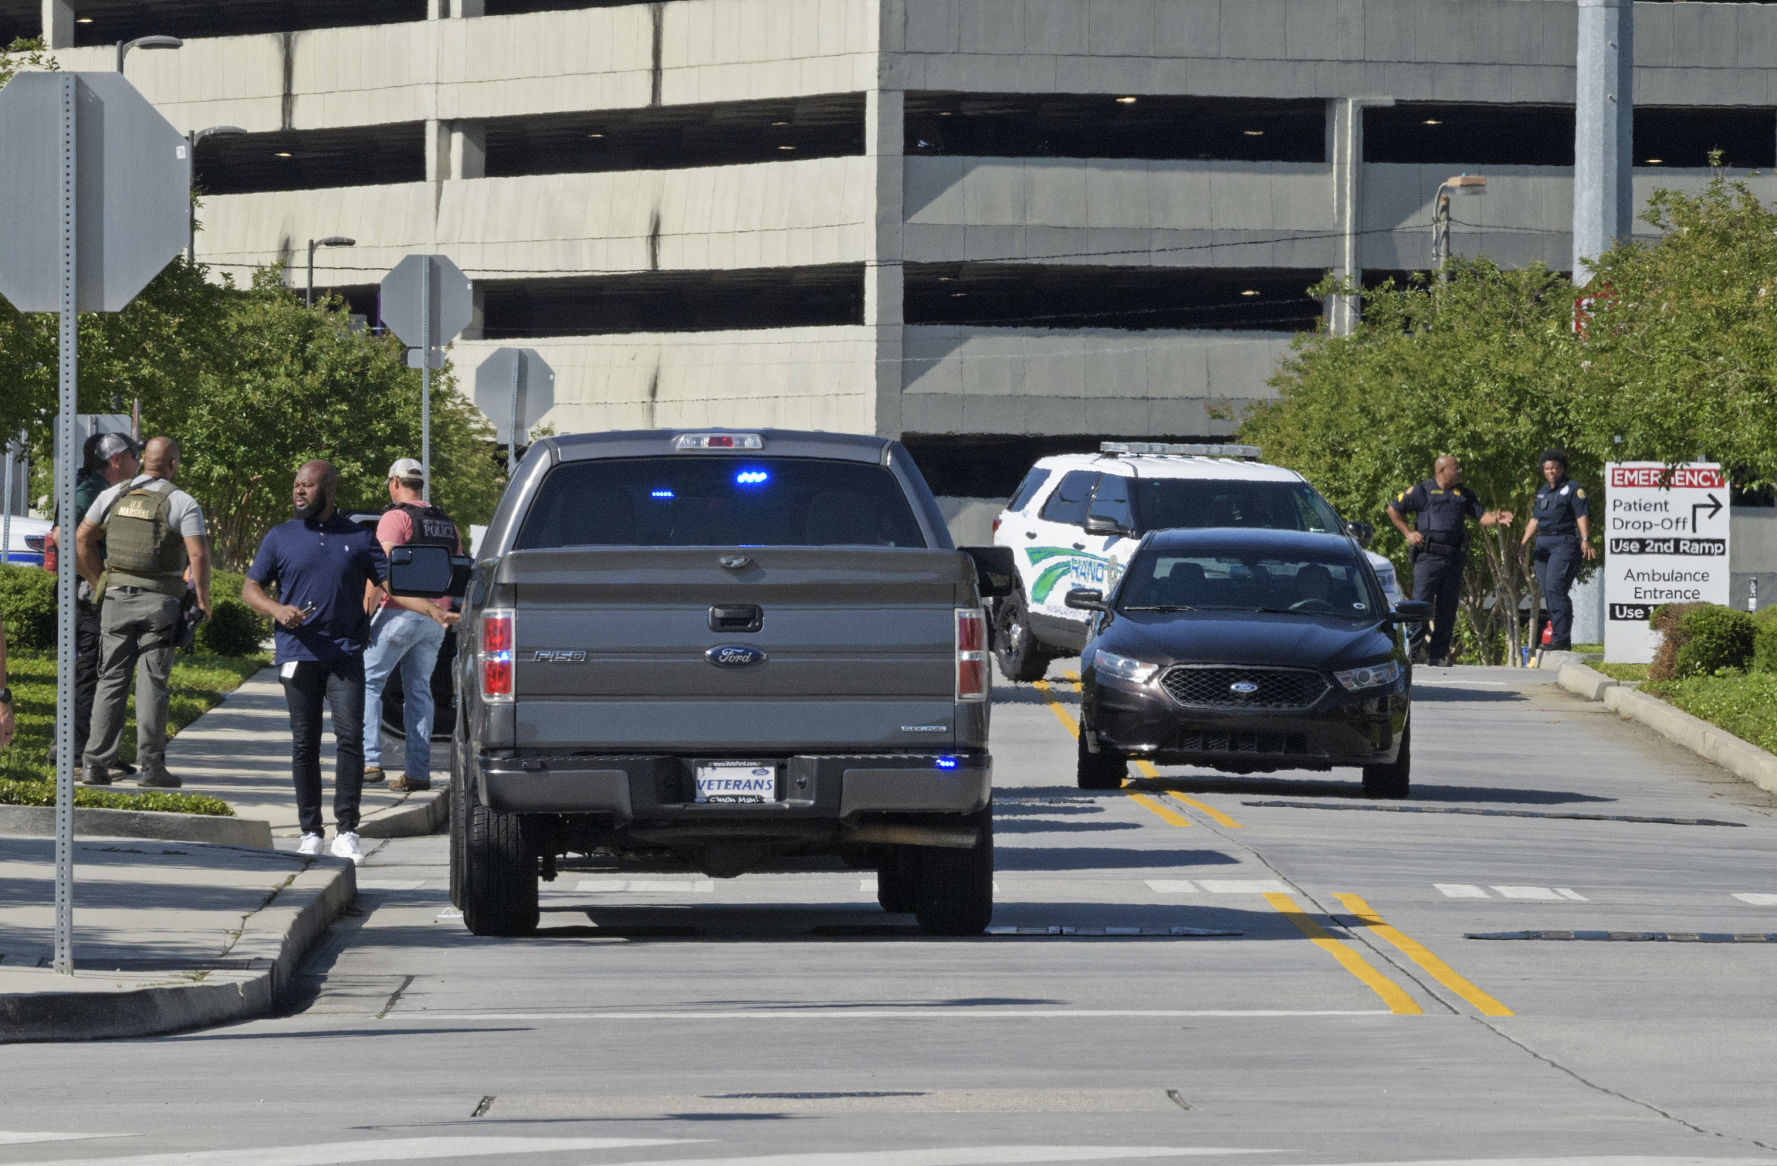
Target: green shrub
1700	639
233	629
28	606
1764	641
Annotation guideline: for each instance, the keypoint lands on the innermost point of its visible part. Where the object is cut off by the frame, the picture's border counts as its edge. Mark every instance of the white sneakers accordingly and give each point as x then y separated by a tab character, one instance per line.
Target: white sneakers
345	845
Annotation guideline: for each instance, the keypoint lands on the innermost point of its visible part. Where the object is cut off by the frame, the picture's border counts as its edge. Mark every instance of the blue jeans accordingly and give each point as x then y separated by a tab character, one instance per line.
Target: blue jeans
409	641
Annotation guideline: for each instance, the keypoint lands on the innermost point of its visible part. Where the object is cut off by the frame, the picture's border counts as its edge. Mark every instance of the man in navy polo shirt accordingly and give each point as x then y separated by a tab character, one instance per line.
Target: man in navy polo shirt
321	562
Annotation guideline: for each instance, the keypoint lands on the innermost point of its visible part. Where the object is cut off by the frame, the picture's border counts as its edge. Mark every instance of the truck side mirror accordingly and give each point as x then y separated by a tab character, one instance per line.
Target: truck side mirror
996	572
1411	611
1085	599
428	572
1104	524
1363	532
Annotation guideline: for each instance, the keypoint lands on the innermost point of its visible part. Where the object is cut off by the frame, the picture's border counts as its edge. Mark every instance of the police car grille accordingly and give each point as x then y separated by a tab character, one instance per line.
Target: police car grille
1279	689
1226	741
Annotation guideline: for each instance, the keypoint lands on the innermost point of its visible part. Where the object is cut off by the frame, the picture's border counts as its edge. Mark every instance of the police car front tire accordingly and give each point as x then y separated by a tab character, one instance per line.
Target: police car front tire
1391	780
1019	654
1104	769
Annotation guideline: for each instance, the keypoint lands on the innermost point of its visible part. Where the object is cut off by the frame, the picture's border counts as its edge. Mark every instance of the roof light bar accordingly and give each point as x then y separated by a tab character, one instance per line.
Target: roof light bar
718	441
1174	449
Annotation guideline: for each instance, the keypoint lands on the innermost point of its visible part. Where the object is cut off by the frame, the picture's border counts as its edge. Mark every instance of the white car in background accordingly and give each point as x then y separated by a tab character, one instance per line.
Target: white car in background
1076	518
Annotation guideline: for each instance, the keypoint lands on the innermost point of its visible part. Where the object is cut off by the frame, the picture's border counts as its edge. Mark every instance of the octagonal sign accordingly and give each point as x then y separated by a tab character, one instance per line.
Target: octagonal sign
132	191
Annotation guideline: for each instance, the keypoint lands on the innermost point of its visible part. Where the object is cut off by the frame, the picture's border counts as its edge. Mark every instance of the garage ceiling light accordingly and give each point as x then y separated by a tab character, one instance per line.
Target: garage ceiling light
1251	291
1125	101
1432	121
1253	133
595	135
1654	161
282	154
83	20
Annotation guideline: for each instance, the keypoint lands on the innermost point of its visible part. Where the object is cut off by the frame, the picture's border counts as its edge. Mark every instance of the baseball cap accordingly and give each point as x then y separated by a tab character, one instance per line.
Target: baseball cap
407	467
106	446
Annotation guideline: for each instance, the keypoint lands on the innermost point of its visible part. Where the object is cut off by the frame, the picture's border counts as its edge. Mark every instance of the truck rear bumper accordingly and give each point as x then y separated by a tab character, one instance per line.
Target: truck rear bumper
818	787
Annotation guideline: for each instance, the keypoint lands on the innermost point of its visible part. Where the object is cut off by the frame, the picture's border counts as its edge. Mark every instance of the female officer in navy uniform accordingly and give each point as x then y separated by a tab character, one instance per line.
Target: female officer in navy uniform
1559	524
1440	544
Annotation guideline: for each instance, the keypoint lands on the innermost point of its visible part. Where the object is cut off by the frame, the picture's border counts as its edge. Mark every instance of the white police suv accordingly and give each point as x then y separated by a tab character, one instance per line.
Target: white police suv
1076	518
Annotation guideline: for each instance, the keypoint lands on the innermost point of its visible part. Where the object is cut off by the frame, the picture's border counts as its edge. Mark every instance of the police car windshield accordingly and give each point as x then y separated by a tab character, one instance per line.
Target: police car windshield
1334	588
1161	503
690	500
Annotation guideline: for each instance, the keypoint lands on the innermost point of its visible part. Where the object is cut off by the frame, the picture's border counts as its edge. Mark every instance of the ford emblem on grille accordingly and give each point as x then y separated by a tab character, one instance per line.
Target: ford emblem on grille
734	655
1243	687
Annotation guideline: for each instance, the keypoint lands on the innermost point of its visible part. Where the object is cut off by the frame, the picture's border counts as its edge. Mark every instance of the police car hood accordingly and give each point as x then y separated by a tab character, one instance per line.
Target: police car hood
1238	637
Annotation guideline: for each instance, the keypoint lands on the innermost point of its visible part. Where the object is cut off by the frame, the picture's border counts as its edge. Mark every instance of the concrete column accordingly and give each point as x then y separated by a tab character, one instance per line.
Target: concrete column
1603	131
58	23
468	149
1345	148
884	280
468	9
437	150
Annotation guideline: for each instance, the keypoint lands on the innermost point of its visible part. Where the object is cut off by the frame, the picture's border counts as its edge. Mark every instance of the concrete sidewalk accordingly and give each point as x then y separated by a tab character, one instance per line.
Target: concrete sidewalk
174	927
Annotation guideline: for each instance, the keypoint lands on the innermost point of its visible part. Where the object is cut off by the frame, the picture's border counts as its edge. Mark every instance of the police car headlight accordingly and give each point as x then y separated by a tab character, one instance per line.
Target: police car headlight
1116	667
1369	676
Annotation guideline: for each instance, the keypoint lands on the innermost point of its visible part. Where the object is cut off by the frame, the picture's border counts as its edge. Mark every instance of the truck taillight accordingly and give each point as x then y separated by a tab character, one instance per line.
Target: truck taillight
971	654
496	655
996	523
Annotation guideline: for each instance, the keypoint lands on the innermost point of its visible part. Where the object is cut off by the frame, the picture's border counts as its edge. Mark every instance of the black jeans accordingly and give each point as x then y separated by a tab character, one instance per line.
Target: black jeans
341	684
1437	579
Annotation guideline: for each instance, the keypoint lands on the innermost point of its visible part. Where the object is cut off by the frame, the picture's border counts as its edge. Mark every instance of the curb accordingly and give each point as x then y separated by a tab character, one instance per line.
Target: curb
40	822
275	940
1740	758
414	817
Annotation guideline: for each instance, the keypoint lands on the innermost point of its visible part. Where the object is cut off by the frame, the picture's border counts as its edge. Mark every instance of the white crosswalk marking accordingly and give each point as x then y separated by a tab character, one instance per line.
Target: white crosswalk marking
648	886
1756	898
867	886
1243	886
1172	886
384	1150
21	1138
1462	891
1539	894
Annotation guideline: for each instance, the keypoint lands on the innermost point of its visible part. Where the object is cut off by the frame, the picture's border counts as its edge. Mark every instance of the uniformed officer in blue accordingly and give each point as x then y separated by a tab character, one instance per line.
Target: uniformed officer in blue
1558	523
1440	544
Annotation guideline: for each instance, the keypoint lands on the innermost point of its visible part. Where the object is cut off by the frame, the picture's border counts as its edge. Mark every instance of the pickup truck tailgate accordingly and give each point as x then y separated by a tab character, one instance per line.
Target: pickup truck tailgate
831	648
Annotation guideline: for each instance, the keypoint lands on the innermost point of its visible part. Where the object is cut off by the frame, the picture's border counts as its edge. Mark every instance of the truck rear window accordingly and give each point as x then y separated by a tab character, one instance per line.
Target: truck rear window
692	501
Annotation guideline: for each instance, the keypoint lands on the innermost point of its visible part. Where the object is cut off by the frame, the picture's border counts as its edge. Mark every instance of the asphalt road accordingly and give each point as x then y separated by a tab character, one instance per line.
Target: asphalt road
1199	967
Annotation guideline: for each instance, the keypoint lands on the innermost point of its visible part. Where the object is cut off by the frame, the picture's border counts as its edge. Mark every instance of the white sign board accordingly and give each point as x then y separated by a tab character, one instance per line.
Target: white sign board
1665	541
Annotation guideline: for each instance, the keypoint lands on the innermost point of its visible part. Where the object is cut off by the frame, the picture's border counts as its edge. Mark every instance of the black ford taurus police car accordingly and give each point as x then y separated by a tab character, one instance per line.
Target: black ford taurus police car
1247	651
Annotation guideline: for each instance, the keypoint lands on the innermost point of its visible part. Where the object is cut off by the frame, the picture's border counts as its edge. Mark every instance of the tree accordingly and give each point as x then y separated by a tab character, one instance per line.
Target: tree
1480	367
1679	359
300	383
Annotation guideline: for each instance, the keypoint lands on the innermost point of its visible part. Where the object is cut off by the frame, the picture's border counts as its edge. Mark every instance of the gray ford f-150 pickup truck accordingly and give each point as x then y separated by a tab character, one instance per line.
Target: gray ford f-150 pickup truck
714	650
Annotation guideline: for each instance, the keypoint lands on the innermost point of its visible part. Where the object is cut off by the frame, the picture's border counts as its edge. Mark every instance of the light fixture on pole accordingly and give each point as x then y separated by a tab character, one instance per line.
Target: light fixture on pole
193	138
146	42
329	241
1440	217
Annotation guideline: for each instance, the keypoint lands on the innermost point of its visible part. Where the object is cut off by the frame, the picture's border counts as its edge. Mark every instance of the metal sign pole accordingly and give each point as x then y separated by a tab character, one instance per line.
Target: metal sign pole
426	381
6	506
65	572
512	433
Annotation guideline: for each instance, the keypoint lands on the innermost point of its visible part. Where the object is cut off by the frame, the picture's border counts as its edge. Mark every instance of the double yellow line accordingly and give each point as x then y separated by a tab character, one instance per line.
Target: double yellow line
1153	805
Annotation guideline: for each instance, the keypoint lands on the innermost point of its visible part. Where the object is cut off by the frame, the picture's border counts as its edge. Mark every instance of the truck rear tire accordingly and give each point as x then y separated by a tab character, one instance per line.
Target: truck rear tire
956	885
1020	656
1104	769
459	790
897	881
499	880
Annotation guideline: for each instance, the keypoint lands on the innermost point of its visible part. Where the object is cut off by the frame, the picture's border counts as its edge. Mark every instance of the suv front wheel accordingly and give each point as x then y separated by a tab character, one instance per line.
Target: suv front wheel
1019	654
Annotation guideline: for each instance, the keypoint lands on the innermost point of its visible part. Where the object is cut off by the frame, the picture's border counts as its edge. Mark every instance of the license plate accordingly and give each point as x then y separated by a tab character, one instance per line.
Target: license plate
736	781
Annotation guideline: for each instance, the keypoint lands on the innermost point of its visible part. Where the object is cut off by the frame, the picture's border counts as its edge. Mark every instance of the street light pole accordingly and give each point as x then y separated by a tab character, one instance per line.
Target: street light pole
1440	217
329	241
146	42
193	138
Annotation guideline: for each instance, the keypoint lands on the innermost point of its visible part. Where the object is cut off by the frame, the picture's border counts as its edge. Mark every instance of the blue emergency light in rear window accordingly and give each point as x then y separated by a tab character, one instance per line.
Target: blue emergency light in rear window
666	494
752	478
718	441
946	763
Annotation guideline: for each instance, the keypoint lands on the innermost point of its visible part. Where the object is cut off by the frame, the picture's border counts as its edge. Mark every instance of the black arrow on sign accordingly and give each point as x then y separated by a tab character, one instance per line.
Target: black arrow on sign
1714	504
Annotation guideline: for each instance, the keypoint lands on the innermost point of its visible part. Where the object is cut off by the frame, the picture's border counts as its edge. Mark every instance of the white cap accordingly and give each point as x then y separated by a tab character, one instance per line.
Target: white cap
407	467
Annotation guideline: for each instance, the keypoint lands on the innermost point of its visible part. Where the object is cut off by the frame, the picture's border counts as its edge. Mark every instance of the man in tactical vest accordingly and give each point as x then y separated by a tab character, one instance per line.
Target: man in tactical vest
110	458
405	638
154	538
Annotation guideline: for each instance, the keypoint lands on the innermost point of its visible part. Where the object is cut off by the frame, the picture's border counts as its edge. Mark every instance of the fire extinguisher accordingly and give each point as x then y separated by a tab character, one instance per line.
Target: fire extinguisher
1548	633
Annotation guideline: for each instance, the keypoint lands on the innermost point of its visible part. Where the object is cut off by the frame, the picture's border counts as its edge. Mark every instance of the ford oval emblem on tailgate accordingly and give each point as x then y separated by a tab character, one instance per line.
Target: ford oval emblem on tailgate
1243	687
734	655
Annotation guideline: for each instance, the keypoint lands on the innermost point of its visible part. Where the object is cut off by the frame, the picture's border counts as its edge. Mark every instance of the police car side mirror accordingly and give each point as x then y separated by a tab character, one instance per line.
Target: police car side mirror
1104	524
1411	611
1085	599
1363	532
428	572
996	572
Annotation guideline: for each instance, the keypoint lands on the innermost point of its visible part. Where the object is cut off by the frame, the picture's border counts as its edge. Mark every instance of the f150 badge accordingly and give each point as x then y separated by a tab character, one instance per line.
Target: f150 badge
560	656
734	655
